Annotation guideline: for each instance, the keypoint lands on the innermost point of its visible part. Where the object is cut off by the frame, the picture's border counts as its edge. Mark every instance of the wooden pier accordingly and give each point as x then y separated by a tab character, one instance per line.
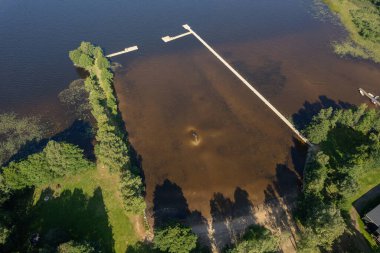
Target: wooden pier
285	120
126	50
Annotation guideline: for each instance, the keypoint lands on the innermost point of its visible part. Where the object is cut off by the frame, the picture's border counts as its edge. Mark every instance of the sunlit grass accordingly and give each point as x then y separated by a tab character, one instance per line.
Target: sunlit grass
88	182
366	235
366	182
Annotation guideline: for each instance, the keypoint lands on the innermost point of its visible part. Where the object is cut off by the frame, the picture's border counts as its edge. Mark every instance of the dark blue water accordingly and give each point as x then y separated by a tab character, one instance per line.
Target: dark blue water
35	36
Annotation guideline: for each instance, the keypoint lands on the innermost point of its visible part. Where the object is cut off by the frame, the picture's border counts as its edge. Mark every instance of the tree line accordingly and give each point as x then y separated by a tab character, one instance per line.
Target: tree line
112	147
347	145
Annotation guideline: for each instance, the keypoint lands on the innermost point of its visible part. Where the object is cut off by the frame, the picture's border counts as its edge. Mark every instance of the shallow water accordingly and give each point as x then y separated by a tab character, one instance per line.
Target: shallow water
166	91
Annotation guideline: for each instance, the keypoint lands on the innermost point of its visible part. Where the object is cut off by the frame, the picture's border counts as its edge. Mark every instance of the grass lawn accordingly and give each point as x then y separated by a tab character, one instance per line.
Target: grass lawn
87	206
366	183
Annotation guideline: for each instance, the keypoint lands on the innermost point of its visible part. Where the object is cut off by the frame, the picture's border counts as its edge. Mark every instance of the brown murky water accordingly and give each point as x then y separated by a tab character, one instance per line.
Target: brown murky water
242	144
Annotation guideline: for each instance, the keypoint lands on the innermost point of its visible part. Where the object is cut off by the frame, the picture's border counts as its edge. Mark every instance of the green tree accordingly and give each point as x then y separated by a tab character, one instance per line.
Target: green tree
75	55
319	127
75	247
348	145
56	160
4	234
175	239
102	62
132	189
87	48
257	239
85	61
63	158
322	228
112	147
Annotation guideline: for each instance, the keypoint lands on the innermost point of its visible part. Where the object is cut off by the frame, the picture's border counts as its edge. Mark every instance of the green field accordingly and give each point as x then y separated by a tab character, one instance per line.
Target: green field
87	205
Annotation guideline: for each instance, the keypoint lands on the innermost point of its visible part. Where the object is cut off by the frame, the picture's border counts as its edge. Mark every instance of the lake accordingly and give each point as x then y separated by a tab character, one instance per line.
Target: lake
168	92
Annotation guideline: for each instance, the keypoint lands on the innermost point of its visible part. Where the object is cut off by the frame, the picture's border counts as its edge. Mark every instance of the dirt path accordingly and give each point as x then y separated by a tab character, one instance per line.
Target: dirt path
138	225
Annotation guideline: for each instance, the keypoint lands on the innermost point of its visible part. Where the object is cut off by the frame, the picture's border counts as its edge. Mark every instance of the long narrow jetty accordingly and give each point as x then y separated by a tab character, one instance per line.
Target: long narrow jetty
285	120
126	50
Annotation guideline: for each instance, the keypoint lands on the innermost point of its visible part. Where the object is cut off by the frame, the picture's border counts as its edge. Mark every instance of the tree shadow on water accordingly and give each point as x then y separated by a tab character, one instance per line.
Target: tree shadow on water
304	116
280	200
230	218
80	133
170	205
72	215
298	153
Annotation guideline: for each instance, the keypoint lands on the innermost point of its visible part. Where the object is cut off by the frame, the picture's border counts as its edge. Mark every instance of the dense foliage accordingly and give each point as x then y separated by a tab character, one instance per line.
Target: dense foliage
56	160
16	132
112	146
362	19
257	239
348	144
175	239
132	190
74	247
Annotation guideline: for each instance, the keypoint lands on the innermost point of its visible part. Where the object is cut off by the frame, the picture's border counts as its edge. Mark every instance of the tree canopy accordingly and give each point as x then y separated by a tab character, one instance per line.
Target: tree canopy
348	144
56	160
112	147
257	239
175	239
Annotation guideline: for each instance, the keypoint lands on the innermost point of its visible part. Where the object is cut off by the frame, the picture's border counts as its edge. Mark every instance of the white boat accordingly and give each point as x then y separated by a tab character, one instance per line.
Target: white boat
374	99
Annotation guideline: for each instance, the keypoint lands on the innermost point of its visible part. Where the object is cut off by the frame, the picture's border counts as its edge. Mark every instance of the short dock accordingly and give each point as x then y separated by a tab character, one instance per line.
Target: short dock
126	50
